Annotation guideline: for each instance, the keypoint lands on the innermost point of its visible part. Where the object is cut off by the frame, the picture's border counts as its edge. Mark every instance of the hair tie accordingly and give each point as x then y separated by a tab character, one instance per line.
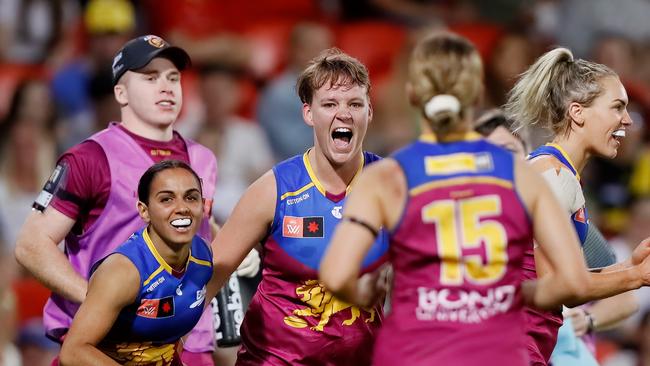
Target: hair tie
441	103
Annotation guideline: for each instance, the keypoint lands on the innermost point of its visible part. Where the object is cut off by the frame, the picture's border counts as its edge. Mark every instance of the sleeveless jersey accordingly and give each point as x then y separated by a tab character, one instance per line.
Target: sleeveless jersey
457	253
166	307
292	319
542	326
580	218
127	162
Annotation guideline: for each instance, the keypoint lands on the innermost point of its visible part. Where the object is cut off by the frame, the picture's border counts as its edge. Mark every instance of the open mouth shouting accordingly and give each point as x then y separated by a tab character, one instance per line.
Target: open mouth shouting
342	138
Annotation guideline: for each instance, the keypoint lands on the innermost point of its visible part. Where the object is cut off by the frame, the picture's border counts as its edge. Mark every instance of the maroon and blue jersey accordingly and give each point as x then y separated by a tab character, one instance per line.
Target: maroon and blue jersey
167	307
543	326
292	319
580	217
457	258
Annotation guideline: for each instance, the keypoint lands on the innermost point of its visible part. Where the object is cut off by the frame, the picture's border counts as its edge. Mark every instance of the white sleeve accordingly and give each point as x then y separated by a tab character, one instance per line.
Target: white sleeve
566	188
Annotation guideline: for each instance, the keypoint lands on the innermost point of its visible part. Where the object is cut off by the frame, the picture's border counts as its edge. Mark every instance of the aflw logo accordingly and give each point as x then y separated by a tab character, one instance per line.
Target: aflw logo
302	227
293	228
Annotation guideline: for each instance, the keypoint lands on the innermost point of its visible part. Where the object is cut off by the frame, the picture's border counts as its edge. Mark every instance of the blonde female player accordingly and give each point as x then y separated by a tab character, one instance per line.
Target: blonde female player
584	104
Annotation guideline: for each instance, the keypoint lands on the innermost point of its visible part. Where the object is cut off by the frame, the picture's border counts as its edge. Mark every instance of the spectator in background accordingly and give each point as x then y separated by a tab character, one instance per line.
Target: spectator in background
279	110
27	153
395	120
635	230
101	94
31	31
205	28
512	54
583	20
239	144
9	355
639	354
109	24
35	348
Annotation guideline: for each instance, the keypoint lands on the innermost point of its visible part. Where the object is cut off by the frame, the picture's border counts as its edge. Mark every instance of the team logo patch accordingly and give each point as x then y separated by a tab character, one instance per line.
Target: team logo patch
322	306
580	215
155	41
156	308
302	227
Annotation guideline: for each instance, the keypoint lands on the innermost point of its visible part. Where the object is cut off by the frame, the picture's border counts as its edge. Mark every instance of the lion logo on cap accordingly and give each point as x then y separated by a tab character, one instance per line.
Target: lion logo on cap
155	41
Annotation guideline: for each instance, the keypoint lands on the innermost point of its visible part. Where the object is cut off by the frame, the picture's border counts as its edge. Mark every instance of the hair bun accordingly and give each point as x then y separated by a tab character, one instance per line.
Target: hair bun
441	103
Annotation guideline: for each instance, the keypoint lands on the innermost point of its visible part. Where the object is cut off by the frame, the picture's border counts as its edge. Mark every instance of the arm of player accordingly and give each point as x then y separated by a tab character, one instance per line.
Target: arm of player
36	249
568	277
639	254
114	285
605	314
250	265
245	228
383	186
214	227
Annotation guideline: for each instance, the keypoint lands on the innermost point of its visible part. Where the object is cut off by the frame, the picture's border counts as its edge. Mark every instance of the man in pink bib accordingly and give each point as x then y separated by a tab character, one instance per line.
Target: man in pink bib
89	202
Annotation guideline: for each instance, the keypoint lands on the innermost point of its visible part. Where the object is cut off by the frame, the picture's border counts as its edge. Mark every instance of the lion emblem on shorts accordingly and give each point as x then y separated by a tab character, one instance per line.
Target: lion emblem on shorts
322	304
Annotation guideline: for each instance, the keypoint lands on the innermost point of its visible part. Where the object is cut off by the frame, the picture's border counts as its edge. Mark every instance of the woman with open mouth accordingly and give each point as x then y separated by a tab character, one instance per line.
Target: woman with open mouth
149	292
293	210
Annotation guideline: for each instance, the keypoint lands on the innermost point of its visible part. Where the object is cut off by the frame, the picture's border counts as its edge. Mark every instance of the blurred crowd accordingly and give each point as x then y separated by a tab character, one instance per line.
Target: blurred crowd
240	101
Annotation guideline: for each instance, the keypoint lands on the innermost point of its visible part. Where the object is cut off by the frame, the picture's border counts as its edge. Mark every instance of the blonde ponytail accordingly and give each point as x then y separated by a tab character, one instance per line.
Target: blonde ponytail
542	94
445	79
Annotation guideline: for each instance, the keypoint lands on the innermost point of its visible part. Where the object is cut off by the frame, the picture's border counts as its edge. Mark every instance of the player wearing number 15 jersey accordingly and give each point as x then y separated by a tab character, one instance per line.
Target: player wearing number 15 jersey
457	255
461	212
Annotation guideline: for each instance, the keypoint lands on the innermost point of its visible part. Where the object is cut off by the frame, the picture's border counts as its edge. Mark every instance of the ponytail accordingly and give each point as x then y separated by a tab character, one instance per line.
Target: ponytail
445	79
544	92
442	111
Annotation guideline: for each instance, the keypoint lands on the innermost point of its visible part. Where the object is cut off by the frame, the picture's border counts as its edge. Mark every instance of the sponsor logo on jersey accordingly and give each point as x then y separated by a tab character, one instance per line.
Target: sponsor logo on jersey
336	212
463	306
155	284
156	308
200	297
160	152
302	227
293	201
458	163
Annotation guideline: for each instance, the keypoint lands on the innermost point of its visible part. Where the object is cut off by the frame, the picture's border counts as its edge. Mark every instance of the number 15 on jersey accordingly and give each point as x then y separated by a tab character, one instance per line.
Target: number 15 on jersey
467	224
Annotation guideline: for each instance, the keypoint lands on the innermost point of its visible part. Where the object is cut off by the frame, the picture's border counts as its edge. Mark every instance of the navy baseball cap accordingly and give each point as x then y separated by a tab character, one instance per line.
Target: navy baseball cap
138	52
